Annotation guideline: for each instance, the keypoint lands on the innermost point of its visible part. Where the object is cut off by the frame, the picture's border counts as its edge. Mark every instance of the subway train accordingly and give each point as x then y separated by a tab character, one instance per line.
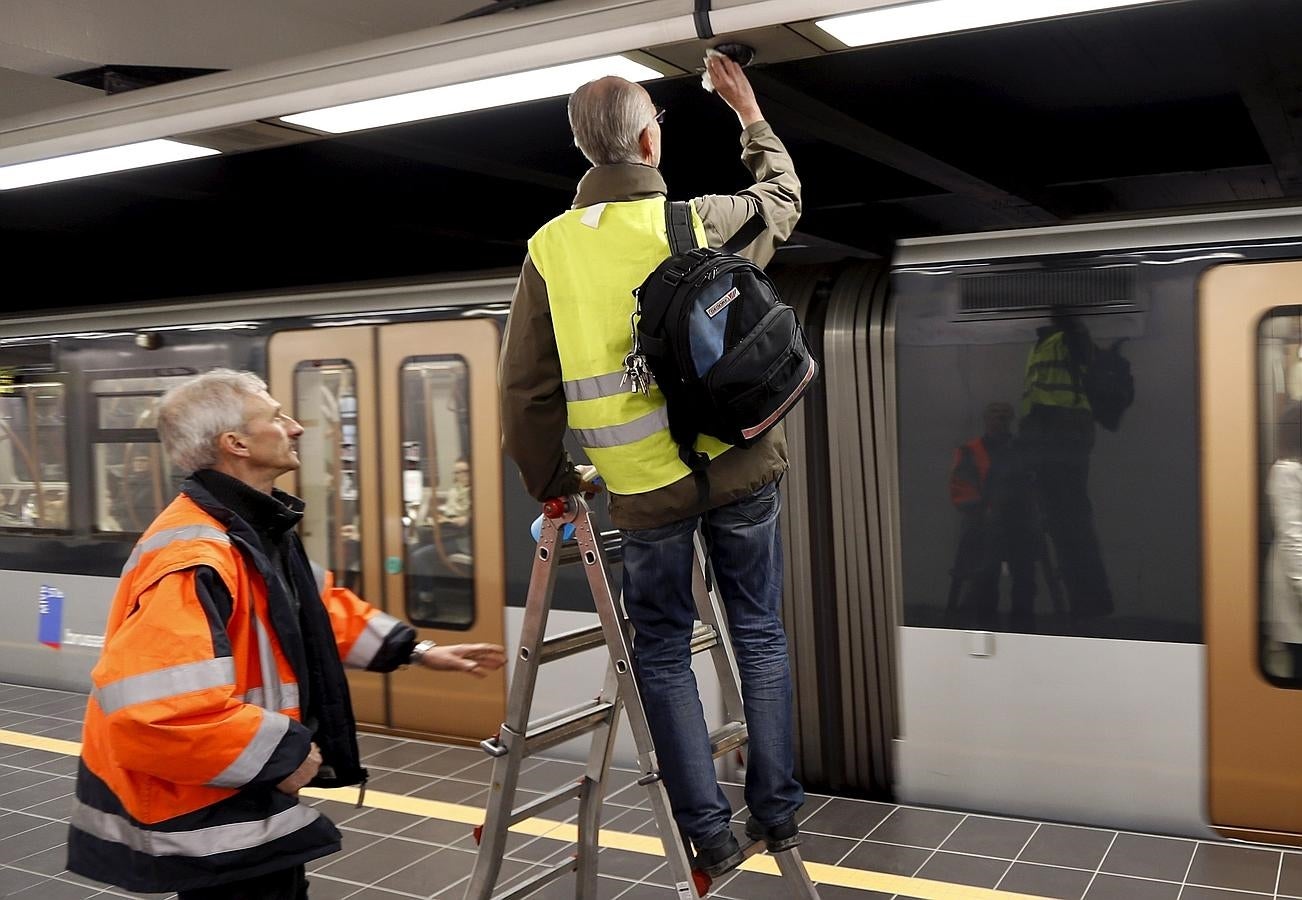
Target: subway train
1000	596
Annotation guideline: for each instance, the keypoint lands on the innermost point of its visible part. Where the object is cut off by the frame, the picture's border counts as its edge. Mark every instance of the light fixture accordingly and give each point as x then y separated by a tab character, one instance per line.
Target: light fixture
520	87
887	24
98	162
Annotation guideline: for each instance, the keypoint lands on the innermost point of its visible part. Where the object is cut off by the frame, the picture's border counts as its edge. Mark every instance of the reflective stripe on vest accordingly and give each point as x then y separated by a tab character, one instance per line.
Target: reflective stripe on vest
592	262
1051	377
370	641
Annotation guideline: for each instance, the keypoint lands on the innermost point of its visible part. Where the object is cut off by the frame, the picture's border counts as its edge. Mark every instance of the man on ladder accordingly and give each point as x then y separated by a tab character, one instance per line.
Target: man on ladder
562	362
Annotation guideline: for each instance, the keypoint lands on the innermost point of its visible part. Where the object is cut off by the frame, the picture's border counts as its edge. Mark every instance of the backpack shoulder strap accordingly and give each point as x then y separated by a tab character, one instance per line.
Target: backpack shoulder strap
678	227
749	230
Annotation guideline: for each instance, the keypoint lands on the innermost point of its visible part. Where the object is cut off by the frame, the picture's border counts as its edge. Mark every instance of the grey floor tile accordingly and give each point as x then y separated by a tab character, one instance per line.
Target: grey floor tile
1046	881
437	832
352	842
1065	845
917	827
14	880
985	836
53	889
400	756
956	868
1290	873
1119	887
629	866
43	837
1193	892
51	861
547	776
376	860
450	790
322	888
889	858
846	818
399	782
383	821
835	892
753	886
1231	866
820	848
1144	856
16	823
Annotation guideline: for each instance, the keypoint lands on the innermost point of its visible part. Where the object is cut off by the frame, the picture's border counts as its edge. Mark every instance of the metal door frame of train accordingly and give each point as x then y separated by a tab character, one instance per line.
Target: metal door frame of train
466	709
1254	724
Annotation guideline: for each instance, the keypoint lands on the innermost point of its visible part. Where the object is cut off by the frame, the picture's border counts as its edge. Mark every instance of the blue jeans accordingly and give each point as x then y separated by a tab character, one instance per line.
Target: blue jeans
746	553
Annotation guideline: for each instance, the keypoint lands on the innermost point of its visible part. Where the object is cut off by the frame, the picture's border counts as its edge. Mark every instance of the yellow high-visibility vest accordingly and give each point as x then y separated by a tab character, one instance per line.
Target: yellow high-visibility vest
1051	377
592	259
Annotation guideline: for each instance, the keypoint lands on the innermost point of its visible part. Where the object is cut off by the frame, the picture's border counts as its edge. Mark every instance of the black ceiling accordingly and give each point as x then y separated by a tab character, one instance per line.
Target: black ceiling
1189	106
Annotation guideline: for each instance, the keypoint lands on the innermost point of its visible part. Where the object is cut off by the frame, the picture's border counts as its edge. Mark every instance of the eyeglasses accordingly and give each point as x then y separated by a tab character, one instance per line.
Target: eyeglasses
660	115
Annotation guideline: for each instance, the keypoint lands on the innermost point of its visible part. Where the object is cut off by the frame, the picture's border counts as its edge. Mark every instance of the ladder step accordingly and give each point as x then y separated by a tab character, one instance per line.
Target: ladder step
568	723
542	804
570	643
611	543
537	882
727	737
704	637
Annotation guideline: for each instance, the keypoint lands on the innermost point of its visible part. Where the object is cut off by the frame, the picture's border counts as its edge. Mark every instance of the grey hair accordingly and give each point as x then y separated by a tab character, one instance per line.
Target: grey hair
192	415
608	117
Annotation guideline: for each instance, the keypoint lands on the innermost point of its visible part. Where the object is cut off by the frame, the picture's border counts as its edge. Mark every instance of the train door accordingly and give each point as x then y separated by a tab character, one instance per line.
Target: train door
401	472
1250	326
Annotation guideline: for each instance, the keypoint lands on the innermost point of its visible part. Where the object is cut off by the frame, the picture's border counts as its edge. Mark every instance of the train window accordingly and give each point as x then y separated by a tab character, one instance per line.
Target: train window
33	454
325	404
1047	429
1279	382
134	480
437	492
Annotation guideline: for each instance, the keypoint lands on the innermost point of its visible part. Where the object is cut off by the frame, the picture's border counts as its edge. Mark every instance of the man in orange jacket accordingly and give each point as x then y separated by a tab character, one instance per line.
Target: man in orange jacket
221	691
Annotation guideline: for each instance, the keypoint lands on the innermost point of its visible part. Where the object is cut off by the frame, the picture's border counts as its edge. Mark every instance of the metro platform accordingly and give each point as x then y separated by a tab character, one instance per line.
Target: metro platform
412	837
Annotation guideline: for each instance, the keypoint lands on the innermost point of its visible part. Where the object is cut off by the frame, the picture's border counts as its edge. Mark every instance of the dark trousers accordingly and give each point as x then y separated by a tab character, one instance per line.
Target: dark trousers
284	884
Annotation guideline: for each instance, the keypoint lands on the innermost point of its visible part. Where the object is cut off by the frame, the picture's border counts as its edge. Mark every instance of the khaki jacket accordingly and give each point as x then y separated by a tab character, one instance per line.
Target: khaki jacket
532	398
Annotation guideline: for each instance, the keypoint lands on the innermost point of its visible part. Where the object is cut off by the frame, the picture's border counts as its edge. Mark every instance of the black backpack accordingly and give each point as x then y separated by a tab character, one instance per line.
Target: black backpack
1109	385
726	352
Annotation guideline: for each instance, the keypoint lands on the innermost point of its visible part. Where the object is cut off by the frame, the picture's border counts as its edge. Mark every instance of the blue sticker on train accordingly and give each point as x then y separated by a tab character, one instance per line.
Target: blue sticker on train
49	631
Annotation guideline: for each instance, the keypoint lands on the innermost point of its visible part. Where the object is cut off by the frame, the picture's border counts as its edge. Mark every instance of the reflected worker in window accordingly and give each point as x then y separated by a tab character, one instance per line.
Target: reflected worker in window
220	692
1057	436
1283	607
988	486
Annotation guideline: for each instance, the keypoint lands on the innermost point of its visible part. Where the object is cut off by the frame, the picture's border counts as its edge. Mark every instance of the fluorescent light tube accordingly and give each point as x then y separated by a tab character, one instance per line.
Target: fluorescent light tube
97	162
553	81
887	24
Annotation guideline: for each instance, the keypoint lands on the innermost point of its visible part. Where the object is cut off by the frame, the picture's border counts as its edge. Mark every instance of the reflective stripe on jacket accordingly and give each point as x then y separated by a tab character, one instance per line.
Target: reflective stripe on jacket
194	718
592	259
1052	376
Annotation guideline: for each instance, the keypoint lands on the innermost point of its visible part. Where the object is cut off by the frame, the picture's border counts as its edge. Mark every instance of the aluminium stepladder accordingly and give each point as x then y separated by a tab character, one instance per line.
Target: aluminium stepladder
520	738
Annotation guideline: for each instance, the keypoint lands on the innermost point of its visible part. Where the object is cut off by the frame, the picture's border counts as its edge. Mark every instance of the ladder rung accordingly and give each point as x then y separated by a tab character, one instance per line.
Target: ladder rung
611	543
570	643
727	737
546	802
569	723
538	881
704	637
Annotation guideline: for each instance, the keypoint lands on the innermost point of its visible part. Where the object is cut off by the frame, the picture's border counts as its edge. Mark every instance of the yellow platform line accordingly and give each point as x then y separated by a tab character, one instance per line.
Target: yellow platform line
842	876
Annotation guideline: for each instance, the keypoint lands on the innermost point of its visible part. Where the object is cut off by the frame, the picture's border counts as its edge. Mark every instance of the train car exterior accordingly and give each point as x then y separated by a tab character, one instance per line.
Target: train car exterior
1012	587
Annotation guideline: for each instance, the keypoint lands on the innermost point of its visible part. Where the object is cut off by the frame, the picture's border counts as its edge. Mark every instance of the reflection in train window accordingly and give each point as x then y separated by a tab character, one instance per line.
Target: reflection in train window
134	480
325	404
437	492
33	455
1279	368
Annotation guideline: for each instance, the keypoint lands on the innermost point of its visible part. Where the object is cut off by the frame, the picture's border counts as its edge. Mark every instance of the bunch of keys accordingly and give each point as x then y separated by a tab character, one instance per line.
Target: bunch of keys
637	374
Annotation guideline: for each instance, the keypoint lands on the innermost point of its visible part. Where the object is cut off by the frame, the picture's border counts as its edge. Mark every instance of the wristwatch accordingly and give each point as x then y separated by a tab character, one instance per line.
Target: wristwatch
420	650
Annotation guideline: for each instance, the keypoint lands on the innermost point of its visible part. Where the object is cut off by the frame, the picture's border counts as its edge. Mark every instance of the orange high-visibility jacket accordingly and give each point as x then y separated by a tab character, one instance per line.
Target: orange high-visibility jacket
193	721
